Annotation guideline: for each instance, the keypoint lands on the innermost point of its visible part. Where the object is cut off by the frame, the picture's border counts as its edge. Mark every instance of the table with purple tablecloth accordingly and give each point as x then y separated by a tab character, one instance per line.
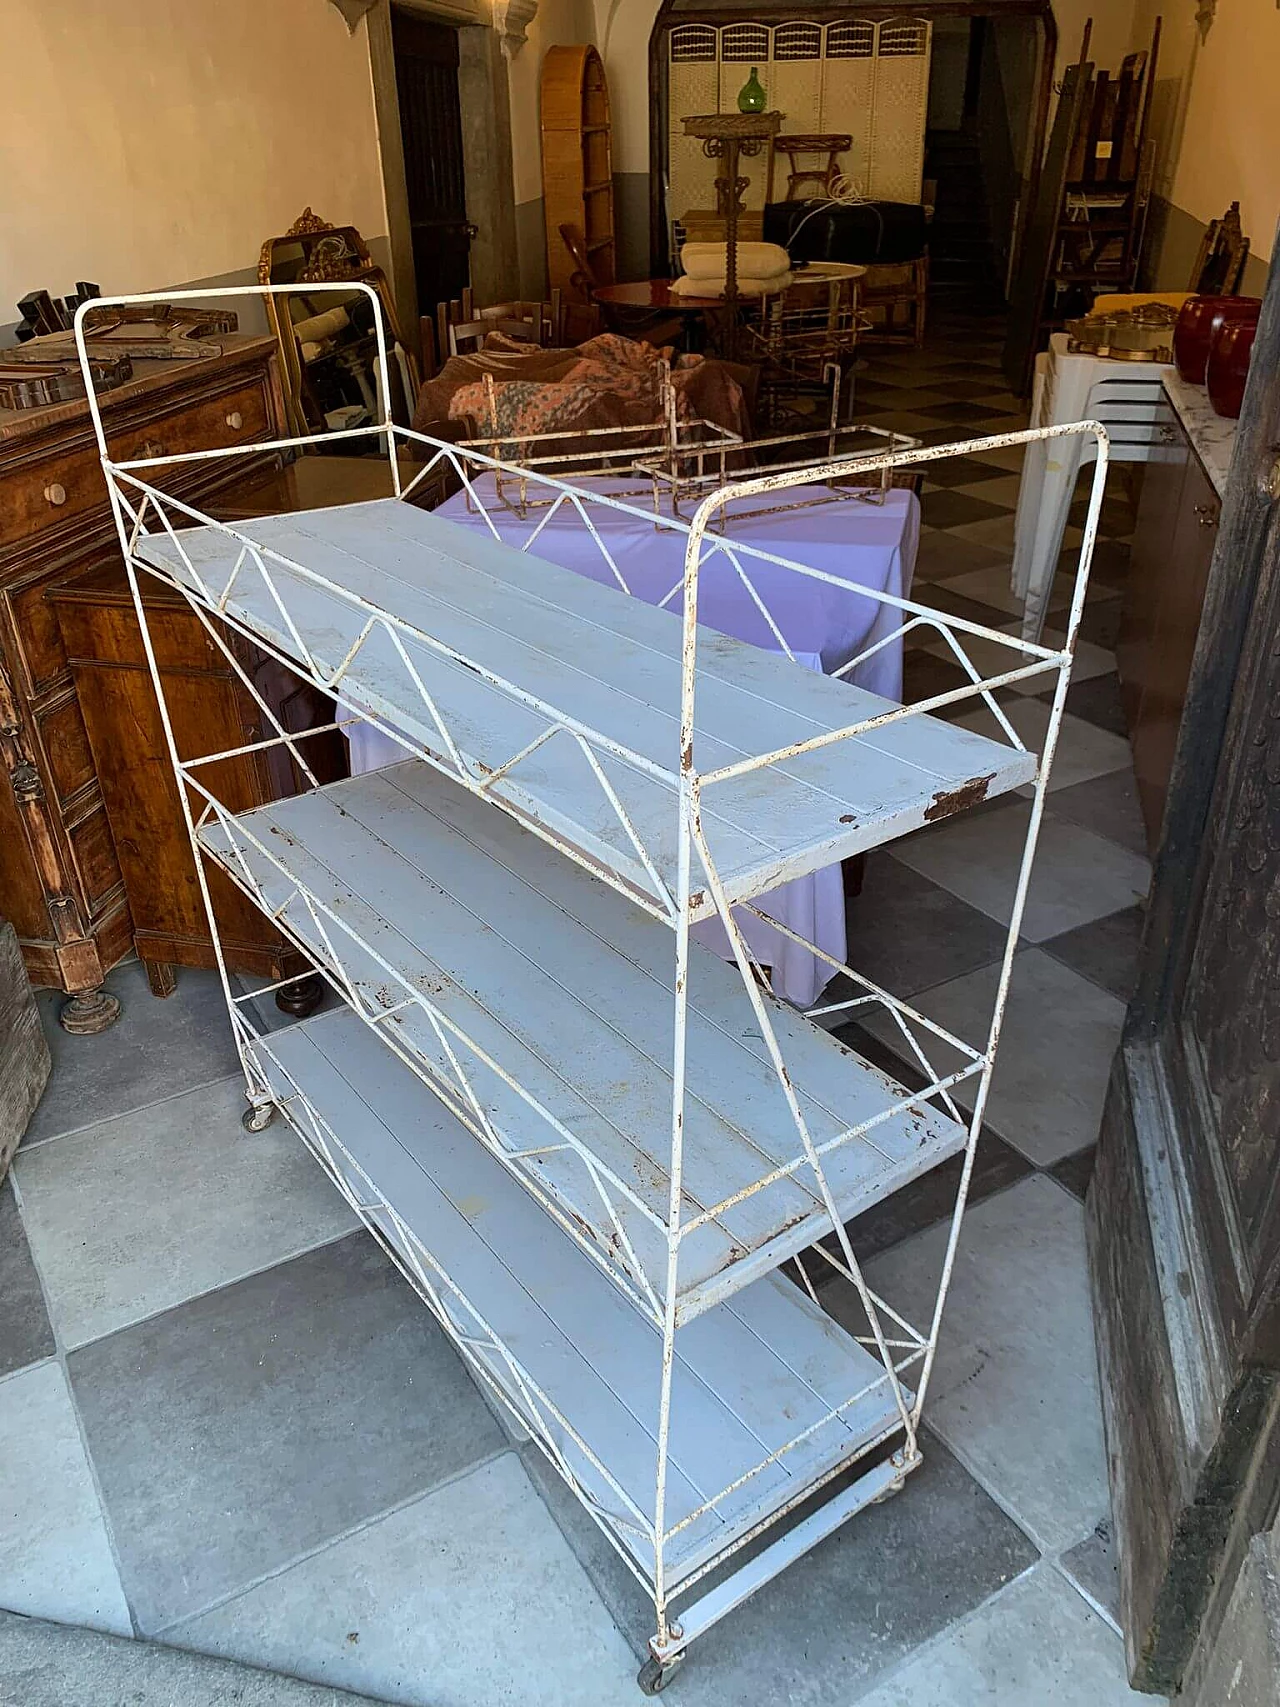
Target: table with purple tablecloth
824	625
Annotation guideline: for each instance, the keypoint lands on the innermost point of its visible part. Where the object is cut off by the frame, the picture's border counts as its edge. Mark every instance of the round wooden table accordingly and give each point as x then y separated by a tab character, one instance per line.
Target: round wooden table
653	293
658	294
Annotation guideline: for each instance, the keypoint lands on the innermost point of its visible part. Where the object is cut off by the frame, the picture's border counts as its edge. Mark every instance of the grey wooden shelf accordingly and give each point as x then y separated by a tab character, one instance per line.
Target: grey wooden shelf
751	1376
420	900
611	664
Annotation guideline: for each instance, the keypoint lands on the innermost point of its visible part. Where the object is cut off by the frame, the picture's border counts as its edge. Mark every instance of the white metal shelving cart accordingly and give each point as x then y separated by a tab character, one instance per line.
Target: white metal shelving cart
588	1141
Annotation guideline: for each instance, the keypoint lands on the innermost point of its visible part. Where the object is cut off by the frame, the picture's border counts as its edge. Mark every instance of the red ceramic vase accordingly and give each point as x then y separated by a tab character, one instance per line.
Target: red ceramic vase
1228	366
1198	319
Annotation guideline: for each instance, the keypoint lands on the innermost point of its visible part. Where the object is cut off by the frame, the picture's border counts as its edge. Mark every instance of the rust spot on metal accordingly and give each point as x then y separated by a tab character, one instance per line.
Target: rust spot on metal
697	898
846	818
952	800
686	756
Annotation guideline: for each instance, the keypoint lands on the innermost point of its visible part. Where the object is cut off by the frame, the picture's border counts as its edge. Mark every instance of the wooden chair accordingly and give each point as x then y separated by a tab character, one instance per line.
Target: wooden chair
543	322
820	177
891	289
473	333
647	325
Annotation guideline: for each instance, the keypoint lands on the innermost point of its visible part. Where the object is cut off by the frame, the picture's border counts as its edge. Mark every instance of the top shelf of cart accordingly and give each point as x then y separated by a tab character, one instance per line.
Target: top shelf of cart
560	699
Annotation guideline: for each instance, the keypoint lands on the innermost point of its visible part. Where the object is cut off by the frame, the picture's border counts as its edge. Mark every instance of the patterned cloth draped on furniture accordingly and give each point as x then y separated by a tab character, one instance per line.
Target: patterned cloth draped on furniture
607	382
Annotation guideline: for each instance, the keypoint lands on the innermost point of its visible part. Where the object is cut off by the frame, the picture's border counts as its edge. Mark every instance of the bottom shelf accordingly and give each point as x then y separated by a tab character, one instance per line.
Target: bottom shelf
764	1372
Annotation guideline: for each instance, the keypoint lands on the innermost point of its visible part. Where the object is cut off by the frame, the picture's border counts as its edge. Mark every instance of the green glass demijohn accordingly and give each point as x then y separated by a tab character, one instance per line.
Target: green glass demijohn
751	94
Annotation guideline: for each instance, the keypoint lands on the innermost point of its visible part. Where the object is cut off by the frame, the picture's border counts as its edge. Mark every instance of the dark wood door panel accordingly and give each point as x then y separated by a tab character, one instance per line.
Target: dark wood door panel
1184	1210
426	57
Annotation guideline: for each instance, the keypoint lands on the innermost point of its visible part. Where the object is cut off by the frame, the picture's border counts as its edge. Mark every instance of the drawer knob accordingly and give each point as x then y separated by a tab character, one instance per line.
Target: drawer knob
1207	515
235	420
55	494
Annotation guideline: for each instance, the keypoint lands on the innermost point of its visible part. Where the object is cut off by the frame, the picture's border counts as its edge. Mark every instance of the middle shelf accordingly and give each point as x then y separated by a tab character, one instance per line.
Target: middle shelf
540	1004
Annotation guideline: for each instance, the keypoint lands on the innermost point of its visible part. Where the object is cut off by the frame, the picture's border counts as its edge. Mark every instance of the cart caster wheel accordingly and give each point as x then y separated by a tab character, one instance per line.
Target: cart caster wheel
655	1675
889	1493
302	997
258	1116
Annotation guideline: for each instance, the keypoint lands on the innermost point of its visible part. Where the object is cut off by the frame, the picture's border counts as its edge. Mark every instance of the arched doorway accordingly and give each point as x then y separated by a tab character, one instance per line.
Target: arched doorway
983	71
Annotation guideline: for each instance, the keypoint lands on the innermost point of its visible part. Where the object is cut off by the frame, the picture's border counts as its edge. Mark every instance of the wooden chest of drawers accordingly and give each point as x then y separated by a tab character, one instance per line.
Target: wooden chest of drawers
60	880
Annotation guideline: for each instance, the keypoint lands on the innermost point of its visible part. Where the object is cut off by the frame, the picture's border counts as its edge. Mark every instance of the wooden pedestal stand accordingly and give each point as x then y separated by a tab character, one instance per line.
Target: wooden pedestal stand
726	137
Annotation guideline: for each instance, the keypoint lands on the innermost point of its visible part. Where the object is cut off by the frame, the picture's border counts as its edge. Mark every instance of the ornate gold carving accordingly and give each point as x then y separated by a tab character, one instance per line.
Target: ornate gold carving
307	224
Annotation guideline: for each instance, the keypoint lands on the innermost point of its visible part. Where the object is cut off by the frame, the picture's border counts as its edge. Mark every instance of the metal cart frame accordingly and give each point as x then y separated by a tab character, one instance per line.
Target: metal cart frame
705	1549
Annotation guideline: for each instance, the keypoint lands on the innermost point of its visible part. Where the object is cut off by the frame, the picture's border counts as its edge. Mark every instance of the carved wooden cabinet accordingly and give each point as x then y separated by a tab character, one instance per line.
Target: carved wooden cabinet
1173	542
209	711
60	879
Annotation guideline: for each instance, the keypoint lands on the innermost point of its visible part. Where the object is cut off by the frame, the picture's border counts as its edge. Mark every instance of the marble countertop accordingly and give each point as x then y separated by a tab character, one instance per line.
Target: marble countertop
1212	436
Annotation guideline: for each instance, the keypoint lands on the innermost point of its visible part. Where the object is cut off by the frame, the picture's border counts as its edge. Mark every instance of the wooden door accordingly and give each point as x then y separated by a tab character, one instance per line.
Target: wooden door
1184	1208
431	130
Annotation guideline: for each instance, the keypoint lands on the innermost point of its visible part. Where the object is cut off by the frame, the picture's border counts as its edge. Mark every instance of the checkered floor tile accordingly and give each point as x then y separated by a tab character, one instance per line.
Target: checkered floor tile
226	1421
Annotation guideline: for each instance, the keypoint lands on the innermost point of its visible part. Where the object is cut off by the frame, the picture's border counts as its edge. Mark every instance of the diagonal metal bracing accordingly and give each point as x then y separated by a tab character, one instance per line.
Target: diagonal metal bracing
743	959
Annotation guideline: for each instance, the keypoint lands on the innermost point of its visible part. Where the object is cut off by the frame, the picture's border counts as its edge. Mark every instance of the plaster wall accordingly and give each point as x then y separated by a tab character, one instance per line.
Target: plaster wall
158	143
1216	122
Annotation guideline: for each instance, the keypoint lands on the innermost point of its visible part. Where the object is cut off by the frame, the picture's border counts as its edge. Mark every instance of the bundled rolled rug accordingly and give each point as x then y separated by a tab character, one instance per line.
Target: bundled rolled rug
763	268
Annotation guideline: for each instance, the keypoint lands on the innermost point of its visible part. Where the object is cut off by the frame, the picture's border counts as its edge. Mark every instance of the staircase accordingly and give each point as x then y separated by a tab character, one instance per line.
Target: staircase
961	253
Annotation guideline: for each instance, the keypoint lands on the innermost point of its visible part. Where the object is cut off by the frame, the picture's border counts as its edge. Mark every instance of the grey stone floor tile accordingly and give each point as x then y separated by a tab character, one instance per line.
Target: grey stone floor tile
891	1577
1076	1172
991	585
252	1424
55	1558
1059	1035
941	555
470	1597
926	1201
1083	751
56	1665
907	933
1107	805
1077	876
1035	1645
964	414
995	532
1015	1384
942	597
961	471
131	1217
993	659
1097	700
999	487
951	506
25	1333
1010	457
1093	1565
1105	950
155	1049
